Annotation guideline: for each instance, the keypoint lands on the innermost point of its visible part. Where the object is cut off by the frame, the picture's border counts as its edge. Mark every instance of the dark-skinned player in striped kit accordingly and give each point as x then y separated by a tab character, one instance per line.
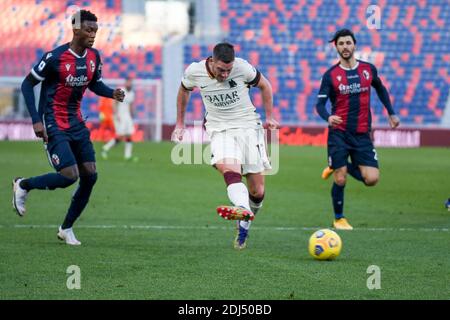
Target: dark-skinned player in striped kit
65	72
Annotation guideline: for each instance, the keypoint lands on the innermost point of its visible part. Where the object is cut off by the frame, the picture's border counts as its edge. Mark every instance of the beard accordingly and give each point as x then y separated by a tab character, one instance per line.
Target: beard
350	54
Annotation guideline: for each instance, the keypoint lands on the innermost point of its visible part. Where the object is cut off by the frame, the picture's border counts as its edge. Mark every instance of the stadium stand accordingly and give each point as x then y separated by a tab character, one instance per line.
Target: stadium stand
42	25
287	41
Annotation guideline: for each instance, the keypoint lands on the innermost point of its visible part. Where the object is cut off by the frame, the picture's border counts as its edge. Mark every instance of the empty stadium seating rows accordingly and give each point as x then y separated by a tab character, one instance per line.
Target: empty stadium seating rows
41	25
288	41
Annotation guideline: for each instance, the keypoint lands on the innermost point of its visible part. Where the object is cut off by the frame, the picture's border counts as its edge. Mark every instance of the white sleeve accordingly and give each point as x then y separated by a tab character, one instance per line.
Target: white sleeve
129	97
41	70
188	80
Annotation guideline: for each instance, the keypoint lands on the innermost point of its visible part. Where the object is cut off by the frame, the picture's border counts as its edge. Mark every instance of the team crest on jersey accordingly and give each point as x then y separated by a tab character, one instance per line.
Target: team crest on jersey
232	83
68	67
339	78
366	74
92	64
55	159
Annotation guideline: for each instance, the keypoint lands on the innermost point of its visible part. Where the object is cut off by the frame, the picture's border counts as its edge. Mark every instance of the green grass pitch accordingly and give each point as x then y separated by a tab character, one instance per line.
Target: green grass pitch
151	231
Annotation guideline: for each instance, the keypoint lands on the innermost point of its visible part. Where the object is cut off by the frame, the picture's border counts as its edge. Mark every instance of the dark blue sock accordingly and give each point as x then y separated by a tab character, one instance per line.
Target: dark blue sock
337	194
79	200
49	181
354	171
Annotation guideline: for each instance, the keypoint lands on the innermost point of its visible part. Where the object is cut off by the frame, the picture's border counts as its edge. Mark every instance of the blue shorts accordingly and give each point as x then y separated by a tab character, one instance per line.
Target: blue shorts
65	149
358	146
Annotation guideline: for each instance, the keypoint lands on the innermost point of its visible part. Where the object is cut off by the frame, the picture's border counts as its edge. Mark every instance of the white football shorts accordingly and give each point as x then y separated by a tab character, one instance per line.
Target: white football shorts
244	146
123	125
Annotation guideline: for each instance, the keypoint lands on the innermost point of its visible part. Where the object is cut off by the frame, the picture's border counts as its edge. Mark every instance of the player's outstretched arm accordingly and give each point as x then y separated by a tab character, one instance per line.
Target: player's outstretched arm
383	95
100	89
182	101
267	99
27	90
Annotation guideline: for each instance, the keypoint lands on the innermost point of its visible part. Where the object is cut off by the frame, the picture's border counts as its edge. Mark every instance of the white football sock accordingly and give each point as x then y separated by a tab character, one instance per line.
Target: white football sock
255	207
111	143
245	224
238	195
128	149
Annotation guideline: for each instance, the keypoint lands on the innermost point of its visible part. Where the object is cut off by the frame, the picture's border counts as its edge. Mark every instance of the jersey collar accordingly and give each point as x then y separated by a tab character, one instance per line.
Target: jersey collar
76	55
348	69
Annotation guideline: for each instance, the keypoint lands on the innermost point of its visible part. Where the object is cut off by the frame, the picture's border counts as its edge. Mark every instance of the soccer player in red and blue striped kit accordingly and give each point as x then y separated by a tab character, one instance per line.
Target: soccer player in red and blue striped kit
347	85
65	72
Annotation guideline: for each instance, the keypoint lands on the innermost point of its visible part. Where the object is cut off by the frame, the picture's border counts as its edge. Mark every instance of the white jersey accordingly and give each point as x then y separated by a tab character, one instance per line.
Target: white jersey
228	104
123	108
123	122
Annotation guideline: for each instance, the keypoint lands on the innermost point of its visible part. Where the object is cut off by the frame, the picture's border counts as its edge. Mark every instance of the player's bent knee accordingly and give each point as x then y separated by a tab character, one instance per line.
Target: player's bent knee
92	178
340	181
89	172
88	180
70	173
371	181
87	169
257	192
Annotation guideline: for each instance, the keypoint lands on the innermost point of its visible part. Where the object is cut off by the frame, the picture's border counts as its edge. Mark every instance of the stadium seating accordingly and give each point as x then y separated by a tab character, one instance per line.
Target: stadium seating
39	28
287	41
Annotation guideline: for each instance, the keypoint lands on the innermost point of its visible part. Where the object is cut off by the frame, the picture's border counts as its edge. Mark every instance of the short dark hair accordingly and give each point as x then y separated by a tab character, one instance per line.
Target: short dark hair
83	15
343	33
224	52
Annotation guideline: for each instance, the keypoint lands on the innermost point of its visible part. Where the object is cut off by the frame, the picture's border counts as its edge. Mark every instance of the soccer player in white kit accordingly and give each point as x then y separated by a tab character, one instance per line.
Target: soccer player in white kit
237	135
123	123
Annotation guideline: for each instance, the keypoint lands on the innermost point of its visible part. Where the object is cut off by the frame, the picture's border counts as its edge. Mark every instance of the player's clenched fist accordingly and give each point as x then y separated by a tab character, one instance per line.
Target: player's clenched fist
177	134
119	95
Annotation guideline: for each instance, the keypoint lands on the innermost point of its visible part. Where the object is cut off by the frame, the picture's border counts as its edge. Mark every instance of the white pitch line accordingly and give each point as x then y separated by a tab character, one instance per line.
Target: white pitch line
174	227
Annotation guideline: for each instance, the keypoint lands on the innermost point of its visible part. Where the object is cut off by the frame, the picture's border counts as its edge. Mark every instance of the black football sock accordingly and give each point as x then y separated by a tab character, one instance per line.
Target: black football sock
49	181
79	200
337	195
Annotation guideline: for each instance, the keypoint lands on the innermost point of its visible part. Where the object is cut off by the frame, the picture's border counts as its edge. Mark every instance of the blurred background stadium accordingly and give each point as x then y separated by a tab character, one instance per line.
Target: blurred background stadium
153	41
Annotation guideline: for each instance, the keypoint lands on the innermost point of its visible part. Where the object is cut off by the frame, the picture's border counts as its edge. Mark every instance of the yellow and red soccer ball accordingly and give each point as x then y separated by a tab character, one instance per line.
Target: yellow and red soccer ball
325	244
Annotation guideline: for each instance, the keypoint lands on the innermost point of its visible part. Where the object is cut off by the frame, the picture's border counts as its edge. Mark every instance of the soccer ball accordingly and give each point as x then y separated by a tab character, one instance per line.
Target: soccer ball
325	244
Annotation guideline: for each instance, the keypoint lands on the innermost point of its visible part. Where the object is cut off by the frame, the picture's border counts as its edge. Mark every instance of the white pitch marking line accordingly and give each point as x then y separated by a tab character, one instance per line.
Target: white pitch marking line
168	227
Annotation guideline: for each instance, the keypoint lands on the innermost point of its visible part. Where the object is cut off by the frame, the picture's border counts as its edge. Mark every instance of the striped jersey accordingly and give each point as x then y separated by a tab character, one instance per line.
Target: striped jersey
65	76
349	93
